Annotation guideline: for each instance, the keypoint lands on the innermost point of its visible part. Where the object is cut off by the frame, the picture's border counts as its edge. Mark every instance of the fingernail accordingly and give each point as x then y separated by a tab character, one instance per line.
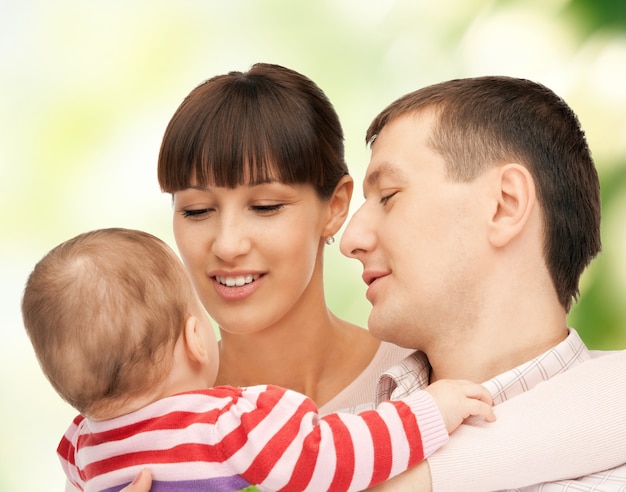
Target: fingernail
137	477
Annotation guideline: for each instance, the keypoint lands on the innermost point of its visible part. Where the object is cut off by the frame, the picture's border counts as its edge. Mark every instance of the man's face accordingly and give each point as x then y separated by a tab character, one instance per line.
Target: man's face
418	236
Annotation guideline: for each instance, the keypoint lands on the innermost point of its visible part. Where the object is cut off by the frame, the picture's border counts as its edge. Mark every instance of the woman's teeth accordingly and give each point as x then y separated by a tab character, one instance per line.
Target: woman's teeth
236	281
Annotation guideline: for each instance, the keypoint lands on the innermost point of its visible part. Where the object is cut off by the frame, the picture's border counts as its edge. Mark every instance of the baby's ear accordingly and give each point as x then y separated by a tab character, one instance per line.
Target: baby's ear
515	199
194	344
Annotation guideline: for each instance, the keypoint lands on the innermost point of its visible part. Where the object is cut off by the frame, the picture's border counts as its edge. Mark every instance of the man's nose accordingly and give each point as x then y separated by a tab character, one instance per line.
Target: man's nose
359	236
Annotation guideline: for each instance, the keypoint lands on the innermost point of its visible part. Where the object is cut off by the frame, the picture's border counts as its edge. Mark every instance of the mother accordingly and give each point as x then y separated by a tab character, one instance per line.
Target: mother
255	164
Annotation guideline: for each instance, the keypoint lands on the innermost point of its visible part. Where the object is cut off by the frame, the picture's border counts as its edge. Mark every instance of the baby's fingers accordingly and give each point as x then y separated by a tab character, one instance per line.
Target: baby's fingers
480	408
478	392
459	399
479	401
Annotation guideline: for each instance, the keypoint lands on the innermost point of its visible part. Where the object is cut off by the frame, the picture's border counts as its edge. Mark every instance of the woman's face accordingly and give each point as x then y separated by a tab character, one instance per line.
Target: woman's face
251	251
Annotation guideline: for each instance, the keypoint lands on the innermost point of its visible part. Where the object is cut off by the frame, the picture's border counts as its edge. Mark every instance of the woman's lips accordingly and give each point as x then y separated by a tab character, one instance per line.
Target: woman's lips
237	287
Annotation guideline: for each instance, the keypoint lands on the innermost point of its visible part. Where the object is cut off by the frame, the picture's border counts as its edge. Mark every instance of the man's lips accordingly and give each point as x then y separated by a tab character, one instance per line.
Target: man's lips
372	279
370	276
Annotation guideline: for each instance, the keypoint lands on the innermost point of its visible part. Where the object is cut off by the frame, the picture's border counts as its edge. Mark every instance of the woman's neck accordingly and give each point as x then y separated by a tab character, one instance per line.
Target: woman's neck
319	358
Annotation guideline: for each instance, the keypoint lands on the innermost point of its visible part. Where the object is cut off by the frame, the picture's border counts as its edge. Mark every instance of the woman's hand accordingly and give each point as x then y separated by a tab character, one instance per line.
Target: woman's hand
141	483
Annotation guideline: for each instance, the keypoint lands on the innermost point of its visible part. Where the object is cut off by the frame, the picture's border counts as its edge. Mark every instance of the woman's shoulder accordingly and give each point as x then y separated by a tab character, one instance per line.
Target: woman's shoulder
360	394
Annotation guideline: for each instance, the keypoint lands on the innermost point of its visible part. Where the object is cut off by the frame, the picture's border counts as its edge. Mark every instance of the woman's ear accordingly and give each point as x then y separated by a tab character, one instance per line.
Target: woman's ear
515	199
339	205
194	343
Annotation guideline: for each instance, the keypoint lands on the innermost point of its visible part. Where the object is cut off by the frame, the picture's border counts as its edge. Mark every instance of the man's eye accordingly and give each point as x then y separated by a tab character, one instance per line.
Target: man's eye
384	199
267	209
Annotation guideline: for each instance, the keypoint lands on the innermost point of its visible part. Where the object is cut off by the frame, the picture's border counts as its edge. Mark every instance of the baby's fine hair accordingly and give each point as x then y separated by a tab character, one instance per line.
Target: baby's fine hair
103	311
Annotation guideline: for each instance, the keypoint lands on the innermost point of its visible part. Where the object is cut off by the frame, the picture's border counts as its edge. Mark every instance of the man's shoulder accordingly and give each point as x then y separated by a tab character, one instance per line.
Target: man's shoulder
601	353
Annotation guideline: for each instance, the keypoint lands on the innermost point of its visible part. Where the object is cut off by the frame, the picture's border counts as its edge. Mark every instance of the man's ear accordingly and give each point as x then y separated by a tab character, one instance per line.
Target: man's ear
514	190
339	205
194	344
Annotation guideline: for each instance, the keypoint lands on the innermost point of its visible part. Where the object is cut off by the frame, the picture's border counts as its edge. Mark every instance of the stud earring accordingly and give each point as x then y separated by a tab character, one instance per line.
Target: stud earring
330	240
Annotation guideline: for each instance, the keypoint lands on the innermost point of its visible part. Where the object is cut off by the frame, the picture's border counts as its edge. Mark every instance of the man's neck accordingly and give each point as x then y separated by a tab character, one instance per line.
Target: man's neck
482	356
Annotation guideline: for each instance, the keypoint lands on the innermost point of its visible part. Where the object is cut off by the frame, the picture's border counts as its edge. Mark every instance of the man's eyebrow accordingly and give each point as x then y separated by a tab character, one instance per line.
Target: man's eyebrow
385	169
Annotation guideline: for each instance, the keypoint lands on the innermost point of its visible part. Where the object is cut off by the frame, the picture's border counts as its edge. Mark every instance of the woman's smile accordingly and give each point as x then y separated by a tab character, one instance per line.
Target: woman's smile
236	281
236	287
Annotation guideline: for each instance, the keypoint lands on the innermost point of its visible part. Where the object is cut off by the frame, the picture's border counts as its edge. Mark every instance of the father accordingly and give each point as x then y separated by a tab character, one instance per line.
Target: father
482	210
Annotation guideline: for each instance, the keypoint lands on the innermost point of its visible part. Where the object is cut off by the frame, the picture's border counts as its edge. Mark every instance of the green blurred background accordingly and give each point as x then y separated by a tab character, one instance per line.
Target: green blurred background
87	88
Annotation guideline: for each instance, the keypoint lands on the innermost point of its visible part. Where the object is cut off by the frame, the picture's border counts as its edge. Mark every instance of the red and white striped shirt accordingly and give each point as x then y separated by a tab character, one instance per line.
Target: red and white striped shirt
228	438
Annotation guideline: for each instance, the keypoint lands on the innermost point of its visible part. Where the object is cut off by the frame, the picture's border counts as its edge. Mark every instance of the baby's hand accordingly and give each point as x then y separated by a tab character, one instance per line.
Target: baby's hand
457	399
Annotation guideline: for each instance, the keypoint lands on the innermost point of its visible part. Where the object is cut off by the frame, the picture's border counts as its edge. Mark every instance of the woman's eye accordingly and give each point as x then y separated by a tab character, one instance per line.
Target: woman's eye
267	209
195	213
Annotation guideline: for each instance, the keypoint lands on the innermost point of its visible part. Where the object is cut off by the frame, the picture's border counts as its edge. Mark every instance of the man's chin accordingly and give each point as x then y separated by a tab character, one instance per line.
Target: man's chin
386	330
378	327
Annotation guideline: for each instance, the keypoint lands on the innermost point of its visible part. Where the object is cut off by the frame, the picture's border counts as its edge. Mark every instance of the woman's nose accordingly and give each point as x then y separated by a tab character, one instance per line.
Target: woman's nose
231	239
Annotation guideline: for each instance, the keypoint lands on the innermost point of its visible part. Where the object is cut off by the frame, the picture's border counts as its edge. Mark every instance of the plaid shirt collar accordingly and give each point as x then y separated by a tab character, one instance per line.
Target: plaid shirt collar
413	373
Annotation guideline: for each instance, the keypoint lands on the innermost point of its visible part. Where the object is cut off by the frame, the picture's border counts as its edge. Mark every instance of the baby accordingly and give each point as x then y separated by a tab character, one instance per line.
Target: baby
122	337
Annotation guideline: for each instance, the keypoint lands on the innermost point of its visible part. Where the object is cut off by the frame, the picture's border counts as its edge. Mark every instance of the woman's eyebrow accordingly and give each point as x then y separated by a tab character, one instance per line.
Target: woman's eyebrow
268	181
